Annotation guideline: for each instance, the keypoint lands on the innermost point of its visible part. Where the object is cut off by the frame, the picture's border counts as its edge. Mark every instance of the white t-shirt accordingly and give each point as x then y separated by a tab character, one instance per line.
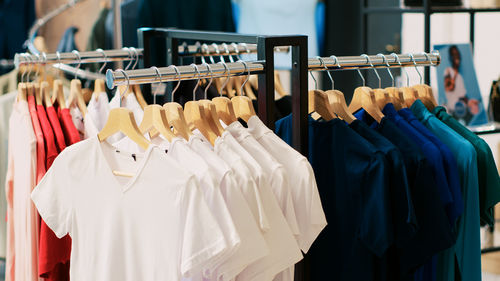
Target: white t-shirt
253	245
6	103
153	226
22	217
84	125
273	171
284	250
309	210
179	150
307	202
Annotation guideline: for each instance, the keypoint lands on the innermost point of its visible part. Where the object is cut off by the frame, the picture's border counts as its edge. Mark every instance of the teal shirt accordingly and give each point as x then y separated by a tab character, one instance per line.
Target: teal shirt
489	181
468	248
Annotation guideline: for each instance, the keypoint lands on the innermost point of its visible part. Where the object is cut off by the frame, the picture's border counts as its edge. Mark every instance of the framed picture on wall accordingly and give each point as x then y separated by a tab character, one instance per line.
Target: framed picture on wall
458	89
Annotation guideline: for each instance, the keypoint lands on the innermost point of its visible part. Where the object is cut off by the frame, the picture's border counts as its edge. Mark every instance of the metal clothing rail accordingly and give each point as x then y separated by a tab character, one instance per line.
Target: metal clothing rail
167	74
363	62
185	72
78	57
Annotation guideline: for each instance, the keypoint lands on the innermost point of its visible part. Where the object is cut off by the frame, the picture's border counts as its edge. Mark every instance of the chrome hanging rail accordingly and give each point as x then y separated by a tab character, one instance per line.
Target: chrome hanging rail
147	76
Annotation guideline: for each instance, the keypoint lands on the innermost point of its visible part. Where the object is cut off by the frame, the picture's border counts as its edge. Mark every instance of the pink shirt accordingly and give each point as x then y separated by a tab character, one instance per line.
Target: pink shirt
40	143
23	219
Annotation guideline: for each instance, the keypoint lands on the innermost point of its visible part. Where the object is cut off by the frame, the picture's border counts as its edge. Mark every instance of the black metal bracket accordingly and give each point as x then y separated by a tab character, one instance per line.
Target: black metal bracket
265	52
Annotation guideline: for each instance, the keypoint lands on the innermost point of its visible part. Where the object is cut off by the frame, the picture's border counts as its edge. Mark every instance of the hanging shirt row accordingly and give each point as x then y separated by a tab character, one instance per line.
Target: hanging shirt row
240	209
404	197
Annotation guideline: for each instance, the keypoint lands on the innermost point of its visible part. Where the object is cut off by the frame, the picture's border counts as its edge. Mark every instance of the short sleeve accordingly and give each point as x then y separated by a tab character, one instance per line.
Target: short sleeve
52	198
202	237
376	225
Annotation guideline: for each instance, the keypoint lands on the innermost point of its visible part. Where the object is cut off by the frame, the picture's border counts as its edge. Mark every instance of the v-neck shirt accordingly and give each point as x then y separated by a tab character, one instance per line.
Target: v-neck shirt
154	229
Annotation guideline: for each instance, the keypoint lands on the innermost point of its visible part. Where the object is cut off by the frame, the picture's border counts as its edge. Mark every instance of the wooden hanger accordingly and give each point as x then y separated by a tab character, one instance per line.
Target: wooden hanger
22	92
209	110
194	114
38	97
397	97
156	119
339	106
364	98
223	105
242	105
139	96
58	94
46	96
409	95
424	93
382	97
175	113
87	94
44	91
122	120
76	96
319	103
224	109
99	87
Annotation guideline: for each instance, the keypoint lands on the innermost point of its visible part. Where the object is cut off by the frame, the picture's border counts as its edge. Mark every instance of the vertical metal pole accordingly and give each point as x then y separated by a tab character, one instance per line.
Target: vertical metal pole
265	98
299	95
117	24
472	16
144	40
364	25
172	54
427	34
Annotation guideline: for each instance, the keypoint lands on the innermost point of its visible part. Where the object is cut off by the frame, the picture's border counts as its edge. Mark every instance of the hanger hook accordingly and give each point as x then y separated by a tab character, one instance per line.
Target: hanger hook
314	78
236	50
361	75
211	78
247	50
217	51
204	50
136	53
105	59
396	58
197	81
384	60
226	49
158	75
178	75
322	61
77	54
44	60
25	69
130	57
428	58
31	61
416	68
38	62
374	69
247	69
226	70
335	61
128	85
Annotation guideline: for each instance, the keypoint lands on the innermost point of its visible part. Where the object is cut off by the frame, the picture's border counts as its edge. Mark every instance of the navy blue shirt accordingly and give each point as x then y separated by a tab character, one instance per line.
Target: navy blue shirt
430	151
350	175
450	164
434	234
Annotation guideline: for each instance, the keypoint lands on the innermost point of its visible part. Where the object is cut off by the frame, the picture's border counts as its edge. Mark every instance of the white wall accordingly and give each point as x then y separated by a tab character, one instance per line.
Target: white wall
454	28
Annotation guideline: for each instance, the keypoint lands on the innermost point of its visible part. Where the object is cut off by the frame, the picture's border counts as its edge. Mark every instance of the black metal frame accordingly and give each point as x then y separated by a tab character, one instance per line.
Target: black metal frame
427	10
265	53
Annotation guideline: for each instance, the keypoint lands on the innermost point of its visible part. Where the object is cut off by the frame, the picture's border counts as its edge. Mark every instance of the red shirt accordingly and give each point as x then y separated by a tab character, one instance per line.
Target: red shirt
54	253
56	126
40	144
48	135
70	132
